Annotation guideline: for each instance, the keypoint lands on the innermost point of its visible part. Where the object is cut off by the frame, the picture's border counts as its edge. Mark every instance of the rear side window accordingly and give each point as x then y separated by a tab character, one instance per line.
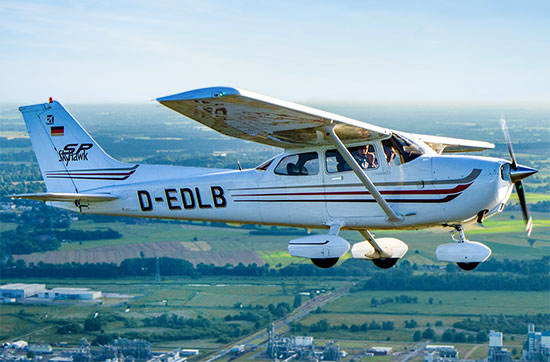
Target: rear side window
301	164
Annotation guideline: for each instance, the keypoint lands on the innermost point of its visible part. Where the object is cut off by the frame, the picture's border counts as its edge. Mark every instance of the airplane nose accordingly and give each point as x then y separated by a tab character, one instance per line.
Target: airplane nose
521	172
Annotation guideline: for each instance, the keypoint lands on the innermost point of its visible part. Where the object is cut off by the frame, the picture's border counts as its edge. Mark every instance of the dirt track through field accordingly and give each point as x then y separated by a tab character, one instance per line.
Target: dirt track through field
117	253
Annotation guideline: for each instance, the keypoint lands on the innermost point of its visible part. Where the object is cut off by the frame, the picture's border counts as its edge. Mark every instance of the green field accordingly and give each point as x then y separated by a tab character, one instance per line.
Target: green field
217	297
207	297
447	308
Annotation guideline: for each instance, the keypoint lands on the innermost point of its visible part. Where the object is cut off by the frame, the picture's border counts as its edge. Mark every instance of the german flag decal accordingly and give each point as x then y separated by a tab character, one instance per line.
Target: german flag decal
57	131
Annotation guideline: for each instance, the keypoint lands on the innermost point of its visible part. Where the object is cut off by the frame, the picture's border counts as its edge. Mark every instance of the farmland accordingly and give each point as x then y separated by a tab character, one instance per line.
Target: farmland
132	139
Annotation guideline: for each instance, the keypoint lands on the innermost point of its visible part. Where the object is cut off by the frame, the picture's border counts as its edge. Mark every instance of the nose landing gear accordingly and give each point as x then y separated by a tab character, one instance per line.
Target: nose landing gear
465	253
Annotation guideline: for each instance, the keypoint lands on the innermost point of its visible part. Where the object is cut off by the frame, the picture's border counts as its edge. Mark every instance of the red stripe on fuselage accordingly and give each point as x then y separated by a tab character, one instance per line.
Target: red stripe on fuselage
454	190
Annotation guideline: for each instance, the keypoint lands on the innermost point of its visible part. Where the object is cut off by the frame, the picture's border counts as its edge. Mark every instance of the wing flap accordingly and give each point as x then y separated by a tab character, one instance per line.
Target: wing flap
255	117
67	197
453	145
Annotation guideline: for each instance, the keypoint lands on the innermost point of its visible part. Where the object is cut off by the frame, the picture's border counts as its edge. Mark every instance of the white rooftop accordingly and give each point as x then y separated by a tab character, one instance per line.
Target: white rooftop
71	290
20	286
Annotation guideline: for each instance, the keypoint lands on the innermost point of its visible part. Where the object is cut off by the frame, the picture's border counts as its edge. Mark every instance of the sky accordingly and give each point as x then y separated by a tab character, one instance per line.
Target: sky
342	51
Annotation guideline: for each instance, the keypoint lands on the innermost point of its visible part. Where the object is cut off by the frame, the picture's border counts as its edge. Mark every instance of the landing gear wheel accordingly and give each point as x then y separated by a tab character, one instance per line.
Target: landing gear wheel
467	266
325	263
385	263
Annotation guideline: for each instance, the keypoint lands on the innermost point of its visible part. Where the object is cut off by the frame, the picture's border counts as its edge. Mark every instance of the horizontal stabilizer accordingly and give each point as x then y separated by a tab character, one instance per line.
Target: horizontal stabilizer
59	196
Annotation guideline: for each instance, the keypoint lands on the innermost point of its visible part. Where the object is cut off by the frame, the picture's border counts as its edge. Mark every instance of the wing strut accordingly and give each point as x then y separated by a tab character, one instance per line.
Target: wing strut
370	238
392	216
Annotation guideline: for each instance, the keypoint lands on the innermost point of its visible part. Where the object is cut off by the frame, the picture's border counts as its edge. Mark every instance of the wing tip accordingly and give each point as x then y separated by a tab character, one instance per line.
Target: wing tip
210	92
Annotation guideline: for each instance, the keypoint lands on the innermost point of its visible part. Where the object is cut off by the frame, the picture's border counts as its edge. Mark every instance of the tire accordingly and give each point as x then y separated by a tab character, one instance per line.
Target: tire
385	263
467	266
325	263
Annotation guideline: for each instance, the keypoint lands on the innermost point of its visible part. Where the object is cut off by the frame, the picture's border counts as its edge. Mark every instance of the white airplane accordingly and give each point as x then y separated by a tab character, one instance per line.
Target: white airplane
335	173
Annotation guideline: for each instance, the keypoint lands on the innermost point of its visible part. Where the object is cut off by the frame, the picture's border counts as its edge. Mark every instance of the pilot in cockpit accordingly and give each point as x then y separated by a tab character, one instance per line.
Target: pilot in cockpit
364	155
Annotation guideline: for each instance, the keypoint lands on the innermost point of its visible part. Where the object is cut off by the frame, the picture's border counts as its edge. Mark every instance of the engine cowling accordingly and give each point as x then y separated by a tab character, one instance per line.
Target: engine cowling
391	248
321	246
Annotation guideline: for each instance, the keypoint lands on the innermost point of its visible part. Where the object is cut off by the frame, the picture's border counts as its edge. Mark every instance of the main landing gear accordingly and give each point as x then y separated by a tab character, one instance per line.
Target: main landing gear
324	263
385	263
465	253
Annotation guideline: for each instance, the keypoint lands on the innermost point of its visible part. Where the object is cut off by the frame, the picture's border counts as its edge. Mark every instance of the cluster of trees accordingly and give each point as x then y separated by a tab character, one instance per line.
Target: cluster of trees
451	335
42	229
402	279
324	326
82	235
404	299
24	240
410	324
516	324
175	322
261	316
525	267
19	178
178	327
94	322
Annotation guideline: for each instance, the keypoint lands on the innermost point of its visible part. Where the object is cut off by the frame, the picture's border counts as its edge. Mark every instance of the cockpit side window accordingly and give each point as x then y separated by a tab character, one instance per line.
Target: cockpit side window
301	164
399	149
393	156
364	155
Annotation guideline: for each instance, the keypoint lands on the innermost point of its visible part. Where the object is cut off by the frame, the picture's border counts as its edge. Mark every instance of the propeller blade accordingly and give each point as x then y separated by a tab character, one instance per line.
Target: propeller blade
524	208
504	128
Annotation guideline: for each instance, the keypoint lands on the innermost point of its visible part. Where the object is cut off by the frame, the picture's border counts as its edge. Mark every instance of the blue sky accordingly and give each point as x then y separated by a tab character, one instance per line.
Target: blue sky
135	51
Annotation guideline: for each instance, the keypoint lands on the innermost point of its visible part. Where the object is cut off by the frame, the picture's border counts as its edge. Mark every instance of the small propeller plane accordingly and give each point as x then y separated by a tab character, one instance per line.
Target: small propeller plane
335	173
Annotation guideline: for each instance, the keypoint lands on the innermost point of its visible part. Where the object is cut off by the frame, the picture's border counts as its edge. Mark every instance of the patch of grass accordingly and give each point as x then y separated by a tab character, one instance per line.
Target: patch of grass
453	303
533	198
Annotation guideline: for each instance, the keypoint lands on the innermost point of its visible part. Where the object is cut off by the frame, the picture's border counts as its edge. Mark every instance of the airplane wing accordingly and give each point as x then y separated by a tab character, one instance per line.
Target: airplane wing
255	117
451	145
58	196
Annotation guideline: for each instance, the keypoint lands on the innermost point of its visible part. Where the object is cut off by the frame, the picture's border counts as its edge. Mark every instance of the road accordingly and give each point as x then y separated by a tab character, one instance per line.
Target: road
418	351
300	312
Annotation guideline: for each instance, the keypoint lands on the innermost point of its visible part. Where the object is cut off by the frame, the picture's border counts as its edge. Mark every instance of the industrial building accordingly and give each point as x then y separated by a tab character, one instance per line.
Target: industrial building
300	348
70	294
138	349
496	352
20	290
537	346
23	291
436	351
380	351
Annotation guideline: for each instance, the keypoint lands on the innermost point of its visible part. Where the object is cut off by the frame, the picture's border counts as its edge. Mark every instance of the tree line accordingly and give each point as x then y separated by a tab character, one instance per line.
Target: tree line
23	240
512	324
401	278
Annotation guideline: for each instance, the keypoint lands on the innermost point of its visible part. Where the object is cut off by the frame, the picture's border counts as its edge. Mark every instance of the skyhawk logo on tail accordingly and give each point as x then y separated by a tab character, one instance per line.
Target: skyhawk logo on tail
72	154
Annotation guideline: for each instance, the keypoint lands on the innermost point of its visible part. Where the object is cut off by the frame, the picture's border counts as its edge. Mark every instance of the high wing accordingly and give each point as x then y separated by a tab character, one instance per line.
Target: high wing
452	145
255	117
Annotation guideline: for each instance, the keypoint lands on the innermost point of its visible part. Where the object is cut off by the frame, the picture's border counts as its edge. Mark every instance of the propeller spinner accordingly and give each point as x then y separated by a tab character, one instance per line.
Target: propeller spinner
518	173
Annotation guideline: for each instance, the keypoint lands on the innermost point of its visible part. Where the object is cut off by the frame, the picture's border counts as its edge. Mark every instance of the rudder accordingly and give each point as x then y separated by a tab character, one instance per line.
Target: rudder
69	158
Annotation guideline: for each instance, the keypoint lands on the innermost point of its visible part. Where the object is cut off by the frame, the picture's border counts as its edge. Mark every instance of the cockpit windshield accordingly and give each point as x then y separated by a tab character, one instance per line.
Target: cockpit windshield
399	149
264	165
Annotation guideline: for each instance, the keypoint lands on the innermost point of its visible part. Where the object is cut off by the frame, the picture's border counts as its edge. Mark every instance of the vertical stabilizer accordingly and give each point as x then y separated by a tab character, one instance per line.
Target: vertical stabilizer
69	158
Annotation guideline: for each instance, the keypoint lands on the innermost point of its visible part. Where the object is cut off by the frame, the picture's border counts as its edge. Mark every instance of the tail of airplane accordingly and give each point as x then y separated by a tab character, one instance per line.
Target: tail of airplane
69	158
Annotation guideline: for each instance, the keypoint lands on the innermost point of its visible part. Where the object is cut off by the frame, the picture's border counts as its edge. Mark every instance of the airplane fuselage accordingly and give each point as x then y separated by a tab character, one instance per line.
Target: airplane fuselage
428	191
